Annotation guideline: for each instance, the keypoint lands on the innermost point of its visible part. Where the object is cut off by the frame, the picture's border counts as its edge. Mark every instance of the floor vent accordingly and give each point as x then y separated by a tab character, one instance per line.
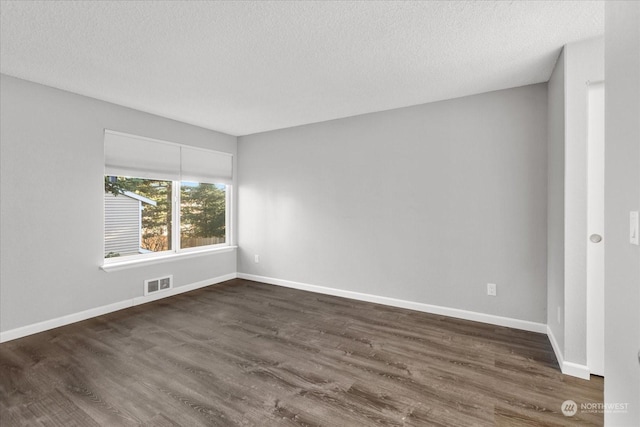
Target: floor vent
152	286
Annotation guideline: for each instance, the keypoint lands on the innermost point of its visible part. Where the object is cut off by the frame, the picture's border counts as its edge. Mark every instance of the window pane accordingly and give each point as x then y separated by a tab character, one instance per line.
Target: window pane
137	215
202	214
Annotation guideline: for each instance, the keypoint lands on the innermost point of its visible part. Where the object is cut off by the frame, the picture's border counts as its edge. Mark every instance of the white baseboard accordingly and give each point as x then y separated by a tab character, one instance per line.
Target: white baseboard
567	368
417	306
35	328
576	370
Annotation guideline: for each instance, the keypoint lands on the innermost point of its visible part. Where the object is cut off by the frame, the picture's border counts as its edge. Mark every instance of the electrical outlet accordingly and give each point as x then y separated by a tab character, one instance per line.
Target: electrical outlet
256	258
491	289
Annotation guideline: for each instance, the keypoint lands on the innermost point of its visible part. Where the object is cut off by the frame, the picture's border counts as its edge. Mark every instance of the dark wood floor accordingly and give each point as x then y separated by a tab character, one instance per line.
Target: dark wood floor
246	353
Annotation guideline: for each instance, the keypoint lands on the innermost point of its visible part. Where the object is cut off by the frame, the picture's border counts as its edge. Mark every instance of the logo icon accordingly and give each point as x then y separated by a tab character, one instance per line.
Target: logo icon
569	408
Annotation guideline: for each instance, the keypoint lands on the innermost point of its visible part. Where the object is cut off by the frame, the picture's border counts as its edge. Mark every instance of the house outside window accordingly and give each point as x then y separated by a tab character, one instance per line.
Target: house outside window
123	223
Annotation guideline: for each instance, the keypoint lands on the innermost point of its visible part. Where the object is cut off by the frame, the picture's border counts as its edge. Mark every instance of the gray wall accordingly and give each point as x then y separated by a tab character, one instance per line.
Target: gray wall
622	194
555	202
51	145
584	61
426	203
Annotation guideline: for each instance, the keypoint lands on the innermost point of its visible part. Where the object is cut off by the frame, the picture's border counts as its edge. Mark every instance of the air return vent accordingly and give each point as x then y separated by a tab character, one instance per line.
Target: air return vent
160	284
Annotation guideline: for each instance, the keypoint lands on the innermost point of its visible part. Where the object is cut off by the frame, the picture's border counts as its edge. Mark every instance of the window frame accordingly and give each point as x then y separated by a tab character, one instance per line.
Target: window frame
176	251
175	232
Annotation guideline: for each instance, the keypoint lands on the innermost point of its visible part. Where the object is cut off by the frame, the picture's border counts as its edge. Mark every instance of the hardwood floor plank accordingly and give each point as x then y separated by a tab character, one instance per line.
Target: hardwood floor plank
54	409
250	354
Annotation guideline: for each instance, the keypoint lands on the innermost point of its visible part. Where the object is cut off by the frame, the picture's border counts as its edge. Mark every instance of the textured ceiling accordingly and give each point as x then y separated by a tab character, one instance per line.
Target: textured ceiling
246	67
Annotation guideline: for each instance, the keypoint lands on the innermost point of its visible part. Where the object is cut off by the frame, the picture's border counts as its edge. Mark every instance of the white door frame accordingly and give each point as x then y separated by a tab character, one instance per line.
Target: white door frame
595	228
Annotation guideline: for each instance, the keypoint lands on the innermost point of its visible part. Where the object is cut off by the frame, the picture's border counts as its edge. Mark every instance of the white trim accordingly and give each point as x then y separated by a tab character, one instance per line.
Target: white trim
417	306
567	368
167	256
176	225
576	370
35	328
229	225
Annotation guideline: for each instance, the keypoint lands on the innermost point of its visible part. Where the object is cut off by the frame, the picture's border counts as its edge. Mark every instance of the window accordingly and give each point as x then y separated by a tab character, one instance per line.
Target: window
202	214
163	198
138	216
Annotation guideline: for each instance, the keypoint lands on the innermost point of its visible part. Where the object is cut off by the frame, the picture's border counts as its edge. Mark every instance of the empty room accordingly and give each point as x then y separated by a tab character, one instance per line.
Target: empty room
319	213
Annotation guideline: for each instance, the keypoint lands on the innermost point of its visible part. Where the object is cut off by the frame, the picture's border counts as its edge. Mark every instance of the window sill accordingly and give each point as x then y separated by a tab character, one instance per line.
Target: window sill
121	265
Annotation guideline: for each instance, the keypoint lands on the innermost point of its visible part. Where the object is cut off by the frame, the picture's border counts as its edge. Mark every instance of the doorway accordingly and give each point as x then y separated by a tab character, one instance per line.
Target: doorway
595	229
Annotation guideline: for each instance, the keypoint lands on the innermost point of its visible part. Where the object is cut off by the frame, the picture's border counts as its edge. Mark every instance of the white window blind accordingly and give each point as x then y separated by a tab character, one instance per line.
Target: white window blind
134	156
128	155
206	166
